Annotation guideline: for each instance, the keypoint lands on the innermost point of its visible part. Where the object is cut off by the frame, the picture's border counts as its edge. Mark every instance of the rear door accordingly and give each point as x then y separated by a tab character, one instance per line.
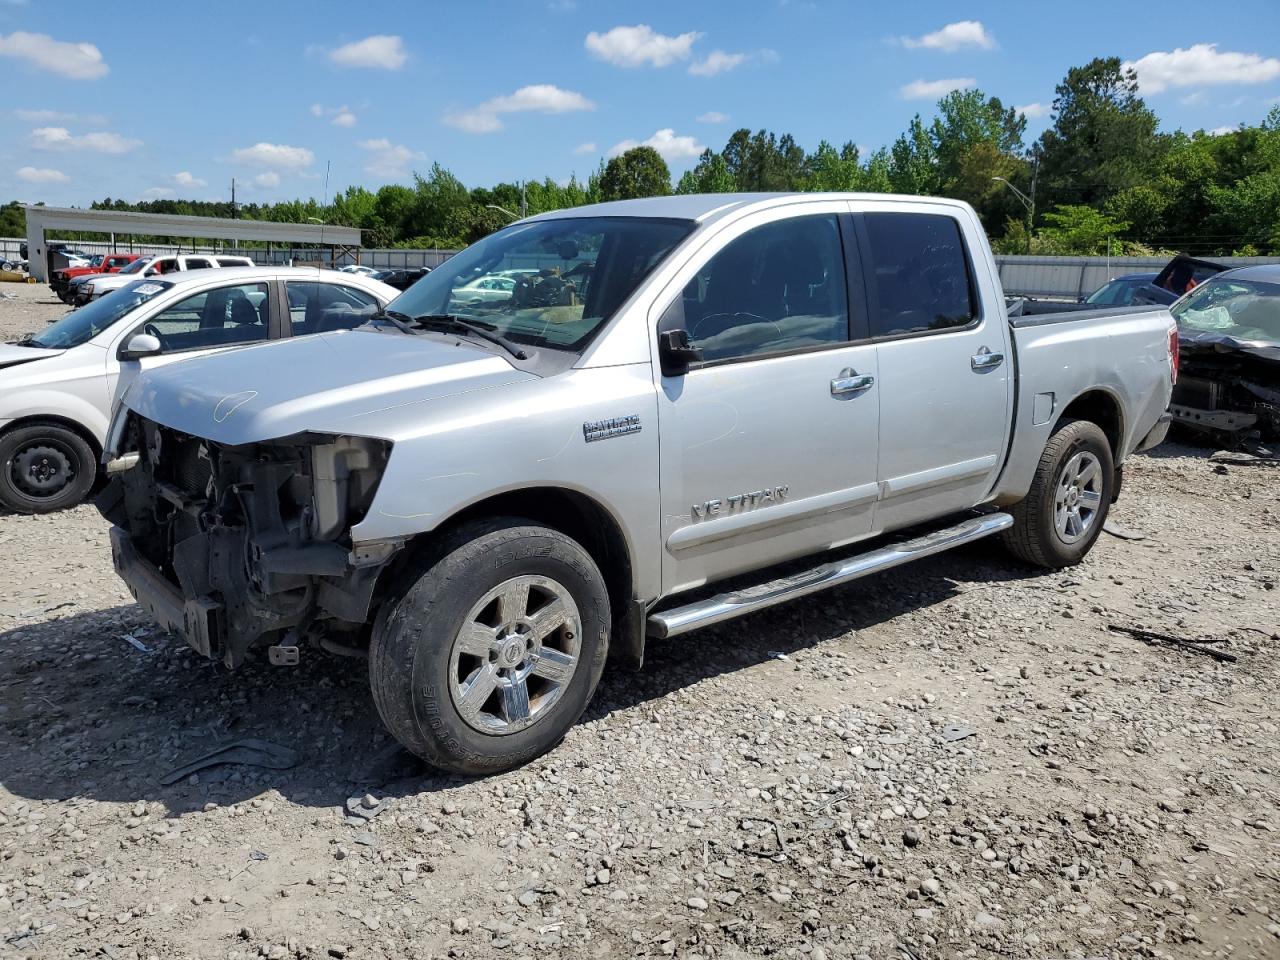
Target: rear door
945	375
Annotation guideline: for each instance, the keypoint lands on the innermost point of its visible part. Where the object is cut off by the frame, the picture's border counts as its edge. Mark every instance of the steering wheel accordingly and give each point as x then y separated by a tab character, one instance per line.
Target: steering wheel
733	317
152	330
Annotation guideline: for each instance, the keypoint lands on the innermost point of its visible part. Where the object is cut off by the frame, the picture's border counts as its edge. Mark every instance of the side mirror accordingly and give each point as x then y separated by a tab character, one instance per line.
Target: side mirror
676	352
141	345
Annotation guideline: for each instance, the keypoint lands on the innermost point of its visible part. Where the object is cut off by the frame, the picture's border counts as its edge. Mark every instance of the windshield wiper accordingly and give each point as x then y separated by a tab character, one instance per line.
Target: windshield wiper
400	320
477	328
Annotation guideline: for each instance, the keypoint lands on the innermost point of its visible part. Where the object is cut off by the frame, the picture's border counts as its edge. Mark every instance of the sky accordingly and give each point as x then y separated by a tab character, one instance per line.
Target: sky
176	100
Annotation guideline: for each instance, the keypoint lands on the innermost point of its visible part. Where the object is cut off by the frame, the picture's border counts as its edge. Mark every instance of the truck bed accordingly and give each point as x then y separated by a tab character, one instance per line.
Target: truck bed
1061	356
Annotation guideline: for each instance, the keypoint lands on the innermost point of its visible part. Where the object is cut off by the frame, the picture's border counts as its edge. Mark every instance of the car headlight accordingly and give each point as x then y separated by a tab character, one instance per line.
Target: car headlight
88	288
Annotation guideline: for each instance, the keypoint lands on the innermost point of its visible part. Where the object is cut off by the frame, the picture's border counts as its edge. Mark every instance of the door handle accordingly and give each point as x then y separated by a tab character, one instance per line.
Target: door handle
849	382
984	359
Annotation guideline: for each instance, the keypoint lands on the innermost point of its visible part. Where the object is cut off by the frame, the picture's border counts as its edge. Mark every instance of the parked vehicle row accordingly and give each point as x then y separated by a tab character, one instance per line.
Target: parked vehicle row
58	387
626	439
61	280
96	285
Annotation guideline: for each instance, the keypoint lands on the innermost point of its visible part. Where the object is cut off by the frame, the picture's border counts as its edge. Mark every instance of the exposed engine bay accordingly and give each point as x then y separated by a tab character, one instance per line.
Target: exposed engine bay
1228	393
253	540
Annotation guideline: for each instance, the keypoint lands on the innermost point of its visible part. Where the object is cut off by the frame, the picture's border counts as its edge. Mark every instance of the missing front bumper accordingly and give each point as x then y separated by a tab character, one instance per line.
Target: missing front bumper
199	621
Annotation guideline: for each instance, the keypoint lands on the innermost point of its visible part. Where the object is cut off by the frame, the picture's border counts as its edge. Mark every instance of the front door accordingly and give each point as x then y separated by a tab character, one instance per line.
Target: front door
945	376
768	444
227	316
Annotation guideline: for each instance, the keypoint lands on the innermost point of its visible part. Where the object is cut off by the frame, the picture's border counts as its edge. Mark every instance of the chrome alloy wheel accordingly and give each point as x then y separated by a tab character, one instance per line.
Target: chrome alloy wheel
1077	497
515	655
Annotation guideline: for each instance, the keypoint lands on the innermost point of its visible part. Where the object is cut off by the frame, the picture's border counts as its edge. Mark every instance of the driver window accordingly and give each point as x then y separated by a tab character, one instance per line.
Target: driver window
212	318
778	287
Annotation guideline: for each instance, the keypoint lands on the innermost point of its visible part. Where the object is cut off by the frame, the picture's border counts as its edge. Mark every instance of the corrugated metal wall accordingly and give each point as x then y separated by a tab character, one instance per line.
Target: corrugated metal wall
1071	278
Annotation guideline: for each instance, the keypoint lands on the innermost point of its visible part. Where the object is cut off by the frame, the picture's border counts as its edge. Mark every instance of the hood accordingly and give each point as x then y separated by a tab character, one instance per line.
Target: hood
327	383
1201	342
11	354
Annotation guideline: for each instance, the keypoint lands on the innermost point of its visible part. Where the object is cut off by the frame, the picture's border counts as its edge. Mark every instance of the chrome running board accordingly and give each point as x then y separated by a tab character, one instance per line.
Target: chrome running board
726	606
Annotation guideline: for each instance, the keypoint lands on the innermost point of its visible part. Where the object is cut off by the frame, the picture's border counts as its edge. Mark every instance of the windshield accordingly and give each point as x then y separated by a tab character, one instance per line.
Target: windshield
80	326
1243	309
136	267
549	283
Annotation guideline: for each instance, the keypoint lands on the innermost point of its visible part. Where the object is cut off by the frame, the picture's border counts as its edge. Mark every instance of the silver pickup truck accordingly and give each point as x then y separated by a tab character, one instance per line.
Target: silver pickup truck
678	411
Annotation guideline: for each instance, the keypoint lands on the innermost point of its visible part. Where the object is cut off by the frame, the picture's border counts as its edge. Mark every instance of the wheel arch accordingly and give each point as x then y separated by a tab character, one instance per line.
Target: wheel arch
1098	405
578	516
75	426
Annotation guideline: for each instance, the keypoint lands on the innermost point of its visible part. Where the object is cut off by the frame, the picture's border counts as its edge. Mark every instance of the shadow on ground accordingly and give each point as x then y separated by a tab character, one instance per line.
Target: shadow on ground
85	713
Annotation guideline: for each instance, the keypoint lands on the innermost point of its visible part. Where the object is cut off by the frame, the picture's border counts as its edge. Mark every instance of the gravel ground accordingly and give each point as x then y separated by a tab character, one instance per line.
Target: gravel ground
954	760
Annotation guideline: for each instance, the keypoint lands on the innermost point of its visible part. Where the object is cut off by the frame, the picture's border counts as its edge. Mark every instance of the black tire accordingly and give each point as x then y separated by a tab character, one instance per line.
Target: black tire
45	467
1035	535
418	683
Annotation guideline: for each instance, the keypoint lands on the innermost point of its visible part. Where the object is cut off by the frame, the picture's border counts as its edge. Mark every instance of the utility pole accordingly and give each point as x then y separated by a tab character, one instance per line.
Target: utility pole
234	213
524	206
1031	212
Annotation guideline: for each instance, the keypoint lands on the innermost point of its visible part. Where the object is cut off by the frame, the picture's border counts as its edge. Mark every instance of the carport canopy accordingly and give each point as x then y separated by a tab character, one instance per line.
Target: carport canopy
41	219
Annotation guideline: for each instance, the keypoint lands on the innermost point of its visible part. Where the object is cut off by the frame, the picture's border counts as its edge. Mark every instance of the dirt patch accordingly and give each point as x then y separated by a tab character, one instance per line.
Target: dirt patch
956	759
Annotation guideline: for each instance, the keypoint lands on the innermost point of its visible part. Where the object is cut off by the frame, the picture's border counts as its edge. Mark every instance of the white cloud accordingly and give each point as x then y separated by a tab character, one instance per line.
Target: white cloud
42	175
59	116
1194	99
386	159
584	148
538	97
933	89
60	138
1201	65
268	179
340	116
665	141
717	61
1034	111
278	155
952	37
381	52
77	61
638	45
183	178
713	116
1219	131
158	192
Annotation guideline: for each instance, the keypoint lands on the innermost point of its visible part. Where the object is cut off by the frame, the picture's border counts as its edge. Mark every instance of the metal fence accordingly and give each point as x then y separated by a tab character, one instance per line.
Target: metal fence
1071	278
1068	278
10	249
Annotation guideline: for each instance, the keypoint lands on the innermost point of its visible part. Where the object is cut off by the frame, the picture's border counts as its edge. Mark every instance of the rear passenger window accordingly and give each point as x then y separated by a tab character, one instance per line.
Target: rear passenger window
316	307
778	287
920	274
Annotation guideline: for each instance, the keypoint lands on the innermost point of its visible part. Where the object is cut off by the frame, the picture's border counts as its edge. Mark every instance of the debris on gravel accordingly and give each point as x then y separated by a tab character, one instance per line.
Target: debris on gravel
958	759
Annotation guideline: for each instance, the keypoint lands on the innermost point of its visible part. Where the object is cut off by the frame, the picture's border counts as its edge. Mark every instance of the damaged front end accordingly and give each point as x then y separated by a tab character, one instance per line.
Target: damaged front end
1228	390
236	545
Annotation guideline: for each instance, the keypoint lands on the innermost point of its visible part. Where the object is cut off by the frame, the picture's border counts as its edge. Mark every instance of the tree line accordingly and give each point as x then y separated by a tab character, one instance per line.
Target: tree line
1103	178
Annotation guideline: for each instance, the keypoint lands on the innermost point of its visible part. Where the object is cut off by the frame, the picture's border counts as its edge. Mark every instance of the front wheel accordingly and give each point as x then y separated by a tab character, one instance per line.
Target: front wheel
1063	513
487	658
44	467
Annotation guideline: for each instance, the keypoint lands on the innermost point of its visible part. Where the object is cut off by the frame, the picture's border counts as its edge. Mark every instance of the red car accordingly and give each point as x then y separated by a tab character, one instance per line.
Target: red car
111	263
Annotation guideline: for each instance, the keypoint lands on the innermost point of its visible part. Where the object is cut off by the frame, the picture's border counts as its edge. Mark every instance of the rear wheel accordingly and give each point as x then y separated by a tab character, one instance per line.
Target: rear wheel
44	467
1063	513
493	647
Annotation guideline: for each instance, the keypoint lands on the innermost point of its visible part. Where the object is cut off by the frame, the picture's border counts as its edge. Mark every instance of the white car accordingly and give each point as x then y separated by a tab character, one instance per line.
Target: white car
58	388
358	268
95	285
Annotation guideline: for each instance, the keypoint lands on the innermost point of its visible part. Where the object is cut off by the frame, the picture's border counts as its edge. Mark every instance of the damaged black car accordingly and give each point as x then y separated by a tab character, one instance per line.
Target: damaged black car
1228	386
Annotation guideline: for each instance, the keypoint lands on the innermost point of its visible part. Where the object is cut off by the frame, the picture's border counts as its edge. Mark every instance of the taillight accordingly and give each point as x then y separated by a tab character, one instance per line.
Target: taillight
1173	353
